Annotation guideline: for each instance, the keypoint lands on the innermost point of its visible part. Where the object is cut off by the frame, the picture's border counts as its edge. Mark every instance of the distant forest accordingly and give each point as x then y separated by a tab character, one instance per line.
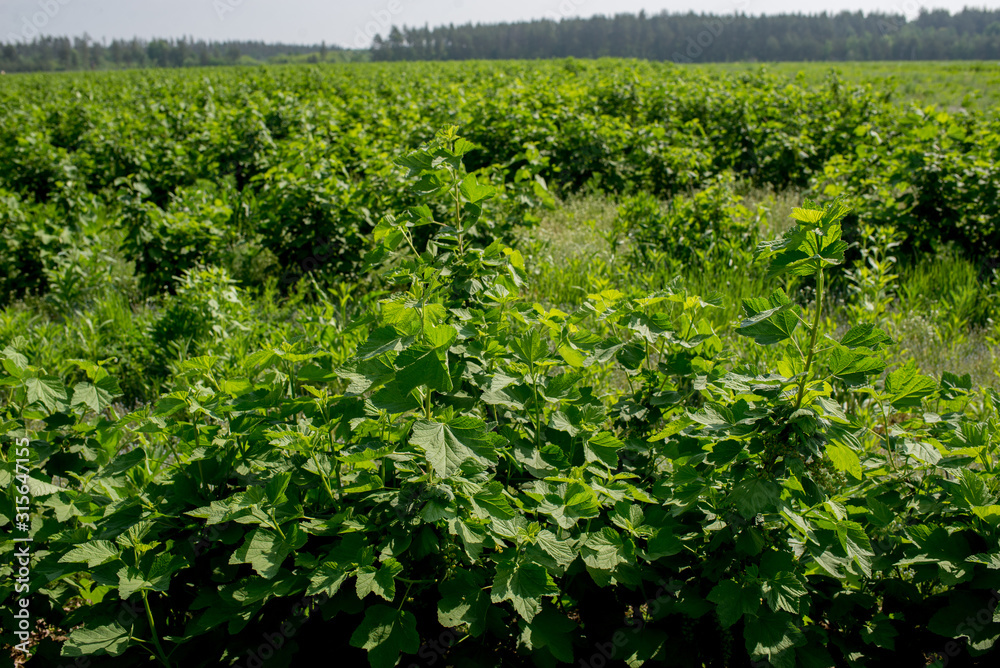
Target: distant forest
47	54
934	35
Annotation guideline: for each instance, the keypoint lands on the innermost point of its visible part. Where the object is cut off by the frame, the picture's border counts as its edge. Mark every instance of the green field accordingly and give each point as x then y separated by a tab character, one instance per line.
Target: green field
509	363
948	85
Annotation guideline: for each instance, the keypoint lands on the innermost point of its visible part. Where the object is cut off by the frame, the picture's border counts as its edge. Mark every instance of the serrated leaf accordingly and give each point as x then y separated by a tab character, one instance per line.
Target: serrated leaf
110	639
853	366
48	391
380	582
493	501
732	601
152	574
423	365
386	632
552	630
448	444
94	553
474	192
463	601
784	591
603	447
755	496
768	321
328	578
265	550
523	585
844	459
907	388
855	542
865	336
773	635
561	550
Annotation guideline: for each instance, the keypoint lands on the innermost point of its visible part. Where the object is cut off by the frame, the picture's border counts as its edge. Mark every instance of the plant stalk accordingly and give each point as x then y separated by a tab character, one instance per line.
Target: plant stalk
812	338
152	627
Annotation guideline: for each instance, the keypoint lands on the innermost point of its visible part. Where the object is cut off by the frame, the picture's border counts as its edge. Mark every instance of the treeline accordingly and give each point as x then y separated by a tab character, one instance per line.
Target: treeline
934	35
47	54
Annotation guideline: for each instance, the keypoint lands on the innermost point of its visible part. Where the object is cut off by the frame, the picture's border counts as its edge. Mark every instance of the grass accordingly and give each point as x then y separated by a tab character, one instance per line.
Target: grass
949	85
938	314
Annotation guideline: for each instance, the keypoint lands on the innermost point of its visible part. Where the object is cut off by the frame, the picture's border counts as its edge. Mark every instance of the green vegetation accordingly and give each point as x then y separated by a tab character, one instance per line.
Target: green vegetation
479	364
950	86
972	34
32	53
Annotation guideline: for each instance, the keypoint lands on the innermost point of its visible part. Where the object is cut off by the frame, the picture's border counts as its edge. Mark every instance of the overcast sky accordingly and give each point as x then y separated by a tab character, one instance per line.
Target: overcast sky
352	22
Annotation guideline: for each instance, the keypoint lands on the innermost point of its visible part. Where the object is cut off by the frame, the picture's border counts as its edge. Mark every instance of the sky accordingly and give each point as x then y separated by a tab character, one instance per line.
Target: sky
352	24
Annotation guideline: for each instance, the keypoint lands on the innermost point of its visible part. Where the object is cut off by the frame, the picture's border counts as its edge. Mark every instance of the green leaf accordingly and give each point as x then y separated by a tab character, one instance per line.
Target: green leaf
416	161
768	321
447	445
573	357
922	450
784	591
844	459
48	391
423	365
474	192
552	630
603	447
855	542
463	601
493	502
94	553
560	549
989	514
265	550
773	635
95	397
523	585
755	496
328	578
386	632
110	639
865	336
529	348
663	544
153	573
814	243
381	582
907	388
463	146
672	429
853	366
807	215
604	550
381	341
732	601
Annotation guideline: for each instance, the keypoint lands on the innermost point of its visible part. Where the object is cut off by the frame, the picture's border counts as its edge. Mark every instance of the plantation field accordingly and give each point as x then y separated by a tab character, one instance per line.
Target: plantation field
949	85
594	363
